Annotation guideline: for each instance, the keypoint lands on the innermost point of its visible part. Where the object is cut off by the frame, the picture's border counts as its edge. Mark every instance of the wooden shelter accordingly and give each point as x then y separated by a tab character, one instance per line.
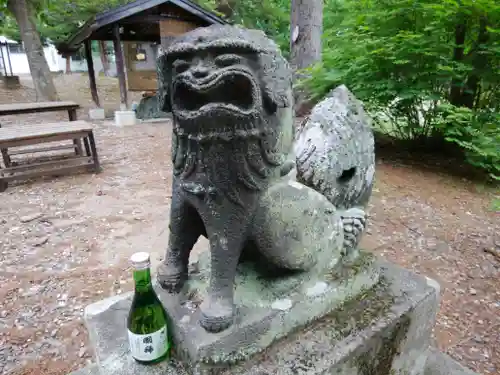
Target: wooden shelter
137	29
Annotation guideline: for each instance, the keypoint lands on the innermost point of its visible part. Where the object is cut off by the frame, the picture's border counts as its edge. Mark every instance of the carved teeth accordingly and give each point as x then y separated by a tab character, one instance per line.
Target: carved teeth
231	90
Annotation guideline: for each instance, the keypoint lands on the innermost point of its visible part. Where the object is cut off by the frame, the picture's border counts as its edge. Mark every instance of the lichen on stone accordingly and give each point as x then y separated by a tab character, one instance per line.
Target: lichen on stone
361	310
348	269
379	359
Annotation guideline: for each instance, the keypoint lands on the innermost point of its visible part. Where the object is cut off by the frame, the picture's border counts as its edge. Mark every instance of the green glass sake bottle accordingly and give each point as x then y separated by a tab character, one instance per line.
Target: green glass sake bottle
147	319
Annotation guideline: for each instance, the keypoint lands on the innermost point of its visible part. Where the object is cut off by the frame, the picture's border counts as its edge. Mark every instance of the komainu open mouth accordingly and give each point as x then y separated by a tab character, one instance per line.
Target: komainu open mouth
229	91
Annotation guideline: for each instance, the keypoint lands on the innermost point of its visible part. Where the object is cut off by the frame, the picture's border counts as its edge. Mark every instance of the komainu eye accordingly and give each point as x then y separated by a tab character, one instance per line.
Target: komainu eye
180	66
227	59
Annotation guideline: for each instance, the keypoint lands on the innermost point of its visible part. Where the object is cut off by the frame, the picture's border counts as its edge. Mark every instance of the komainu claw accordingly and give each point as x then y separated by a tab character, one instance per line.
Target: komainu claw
354	221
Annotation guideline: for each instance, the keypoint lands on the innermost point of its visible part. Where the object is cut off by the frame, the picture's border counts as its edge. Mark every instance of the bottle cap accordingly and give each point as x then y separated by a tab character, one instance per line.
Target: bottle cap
140	261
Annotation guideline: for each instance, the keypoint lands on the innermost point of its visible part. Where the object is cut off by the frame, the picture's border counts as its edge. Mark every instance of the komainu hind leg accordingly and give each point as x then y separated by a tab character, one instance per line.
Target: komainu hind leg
296	228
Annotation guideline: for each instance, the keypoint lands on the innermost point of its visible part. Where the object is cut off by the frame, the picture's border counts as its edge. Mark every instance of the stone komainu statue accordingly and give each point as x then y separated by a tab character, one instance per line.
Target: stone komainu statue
243	179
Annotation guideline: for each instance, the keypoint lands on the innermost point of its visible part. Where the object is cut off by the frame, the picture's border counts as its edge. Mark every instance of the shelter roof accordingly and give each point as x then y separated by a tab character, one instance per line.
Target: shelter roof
139	21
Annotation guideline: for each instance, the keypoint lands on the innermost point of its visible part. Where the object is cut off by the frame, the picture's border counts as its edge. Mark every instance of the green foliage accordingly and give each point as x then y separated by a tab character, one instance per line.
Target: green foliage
208	4
477	132
270	16
407	61
8	23
56	19
60	18
8	28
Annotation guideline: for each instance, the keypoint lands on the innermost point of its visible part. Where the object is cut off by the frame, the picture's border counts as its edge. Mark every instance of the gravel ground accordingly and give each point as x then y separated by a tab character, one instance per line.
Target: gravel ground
64	242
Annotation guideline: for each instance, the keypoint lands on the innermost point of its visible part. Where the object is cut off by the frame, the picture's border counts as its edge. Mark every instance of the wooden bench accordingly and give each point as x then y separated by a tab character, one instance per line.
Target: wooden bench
23	108
27	135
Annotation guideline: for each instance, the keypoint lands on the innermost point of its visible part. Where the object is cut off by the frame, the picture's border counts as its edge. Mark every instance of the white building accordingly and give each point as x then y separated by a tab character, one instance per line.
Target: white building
19	60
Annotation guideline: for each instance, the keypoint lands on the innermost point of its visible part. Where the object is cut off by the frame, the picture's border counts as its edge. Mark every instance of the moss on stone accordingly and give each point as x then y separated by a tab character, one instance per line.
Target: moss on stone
356	314
378	360
362	311
347	270
359	312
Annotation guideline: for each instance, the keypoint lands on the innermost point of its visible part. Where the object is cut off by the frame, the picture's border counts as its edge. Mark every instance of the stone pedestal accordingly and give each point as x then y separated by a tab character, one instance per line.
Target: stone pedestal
382	330
268	310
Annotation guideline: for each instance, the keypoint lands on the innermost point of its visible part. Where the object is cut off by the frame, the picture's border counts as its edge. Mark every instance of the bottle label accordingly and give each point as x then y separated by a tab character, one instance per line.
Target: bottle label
148	347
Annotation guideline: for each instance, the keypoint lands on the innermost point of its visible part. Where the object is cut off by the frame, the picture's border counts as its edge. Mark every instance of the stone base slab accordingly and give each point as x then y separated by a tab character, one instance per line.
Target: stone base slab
385	330
268	309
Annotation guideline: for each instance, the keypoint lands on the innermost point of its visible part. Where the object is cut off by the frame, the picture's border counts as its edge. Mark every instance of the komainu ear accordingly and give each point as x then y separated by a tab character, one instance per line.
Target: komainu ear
270	104
276	81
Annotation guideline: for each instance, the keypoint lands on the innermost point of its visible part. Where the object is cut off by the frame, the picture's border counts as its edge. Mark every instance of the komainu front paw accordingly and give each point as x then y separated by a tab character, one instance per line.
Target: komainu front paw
171	278
216	314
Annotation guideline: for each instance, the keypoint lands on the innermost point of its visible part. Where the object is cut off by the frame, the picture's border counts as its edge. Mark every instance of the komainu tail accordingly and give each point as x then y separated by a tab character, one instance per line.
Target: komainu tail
336	157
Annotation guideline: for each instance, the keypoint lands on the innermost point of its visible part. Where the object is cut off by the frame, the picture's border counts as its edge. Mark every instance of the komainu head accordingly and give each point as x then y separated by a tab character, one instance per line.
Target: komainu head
225	81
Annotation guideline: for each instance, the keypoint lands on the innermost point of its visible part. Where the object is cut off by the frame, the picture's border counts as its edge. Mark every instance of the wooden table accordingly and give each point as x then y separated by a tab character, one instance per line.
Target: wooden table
22	108
27	135
36	107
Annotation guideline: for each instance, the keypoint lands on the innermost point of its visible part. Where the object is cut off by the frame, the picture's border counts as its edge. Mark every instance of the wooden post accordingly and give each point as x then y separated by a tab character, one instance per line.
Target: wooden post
3	58
8	58
91	72
120	67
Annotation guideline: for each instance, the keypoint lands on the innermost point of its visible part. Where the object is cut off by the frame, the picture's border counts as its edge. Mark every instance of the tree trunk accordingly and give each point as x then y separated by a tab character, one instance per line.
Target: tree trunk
458	55
306	28
104	57
68	64
39	68
479	61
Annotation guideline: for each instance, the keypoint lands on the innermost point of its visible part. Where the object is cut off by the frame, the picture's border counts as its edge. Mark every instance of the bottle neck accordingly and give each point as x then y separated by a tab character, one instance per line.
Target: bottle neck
142	279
